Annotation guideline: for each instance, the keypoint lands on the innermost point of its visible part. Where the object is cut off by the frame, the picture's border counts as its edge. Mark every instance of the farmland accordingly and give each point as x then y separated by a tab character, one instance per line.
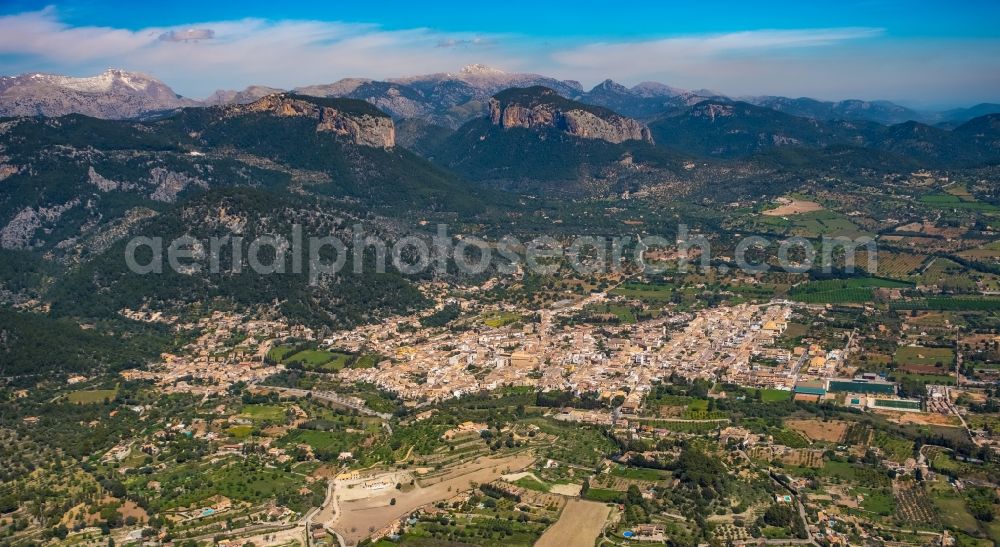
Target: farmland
645	291
262	412
321	441
824	223
775	395
964	202
950	303
843	291
317	360
818	430
92	396
500	319
916	355
913	506
789	438
891	264
947	275
580	523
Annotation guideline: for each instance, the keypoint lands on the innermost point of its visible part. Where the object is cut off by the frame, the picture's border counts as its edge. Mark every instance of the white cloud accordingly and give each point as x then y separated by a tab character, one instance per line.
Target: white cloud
455	42
198	58
188	34
648	58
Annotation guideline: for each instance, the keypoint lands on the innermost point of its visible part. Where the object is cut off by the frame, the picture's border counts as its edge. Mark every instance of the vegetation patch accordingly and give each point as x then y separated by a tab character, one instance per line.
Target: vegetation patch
92	396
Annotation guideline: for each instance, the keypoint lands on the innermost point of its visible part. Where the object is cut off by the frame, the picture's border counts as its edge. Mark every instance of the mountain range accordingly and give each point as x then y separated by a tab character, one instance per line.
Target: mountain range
444	99
76	184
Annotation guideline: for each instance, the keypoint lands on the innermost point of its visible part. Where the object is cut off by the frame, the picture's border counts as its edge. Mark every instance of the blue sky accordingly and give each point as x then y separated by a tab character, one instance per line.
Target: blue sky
918	52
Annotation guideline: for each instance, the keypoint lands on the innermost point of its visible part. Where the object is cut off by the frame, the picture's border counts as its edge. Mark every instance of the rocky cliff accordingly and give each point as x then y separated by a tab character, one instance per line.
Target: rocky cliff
539	107
358	122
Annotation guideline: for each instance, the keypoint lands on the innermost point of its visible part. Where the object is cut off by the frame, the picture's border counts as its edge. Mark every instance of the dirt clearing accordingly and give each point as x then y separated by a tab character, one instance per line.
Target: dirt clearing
795	207
818	430
580	524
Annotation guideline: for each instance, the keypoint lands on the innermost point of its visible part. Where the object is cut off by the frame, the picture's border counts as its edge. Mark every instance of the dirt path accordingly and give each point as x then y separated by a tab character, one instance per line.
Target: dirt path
515	476
579	525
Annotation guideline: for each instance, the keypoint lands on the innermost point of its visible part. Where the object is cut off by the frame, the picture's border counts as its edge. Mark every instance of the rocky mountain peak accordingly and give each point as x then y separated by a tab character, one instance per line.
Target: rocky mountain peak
656	89
480	69
356	121
248	95
542	108
114	93
610	86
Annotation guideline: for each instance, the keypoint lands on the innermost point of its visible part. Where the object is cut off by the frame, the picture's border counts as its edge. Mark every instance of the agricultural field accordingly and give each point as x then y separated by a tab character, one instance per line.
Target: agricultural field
799	458
864	476
947	275
793	207
92	396
916	355
614	313
696	427
187	485
321	441
843	291
950	303
580	524
793	333
894	448
319	360
988	422
775	395
824	223
698	410
789	438
574	444
652	292
811	223
960	201
877	500
277	354
494	522
603	495
264	412
951	506
531	483
500	319
890	264
913	505
990	250
315	360
240	432
819	430
857	434
639	473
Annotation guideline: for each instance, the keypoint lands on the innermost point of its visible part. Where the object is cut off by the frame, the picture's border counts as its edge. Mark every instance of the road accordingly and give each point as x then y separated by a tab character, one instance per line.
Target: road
325	514
954	410
802	511
798	366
